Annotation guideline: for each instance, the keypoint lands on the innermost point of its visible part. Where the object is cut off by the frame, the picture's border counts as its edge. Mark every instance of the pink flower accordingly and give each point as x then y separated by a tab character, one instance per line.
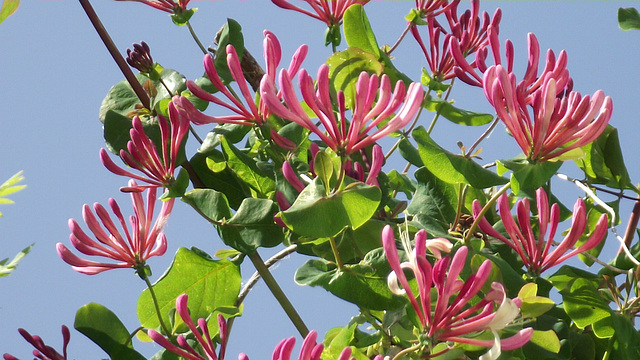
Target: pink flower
536	254
330	12
43	351
560	122
169	6
202	336
131	250
246	113
142	154
471	73
452	317
431	8
469	32
374	103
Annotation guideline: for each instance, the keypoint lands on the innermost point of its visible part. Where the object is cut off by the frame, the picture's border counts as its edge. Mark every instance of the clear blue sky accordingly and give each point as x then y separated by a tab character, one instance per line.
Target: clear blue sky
54	73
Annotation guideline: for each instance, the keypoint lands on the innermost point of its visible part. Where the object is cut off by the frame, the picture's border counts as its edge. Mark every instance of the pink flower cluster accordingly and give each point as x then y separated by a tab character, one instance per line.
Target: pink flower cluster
330	12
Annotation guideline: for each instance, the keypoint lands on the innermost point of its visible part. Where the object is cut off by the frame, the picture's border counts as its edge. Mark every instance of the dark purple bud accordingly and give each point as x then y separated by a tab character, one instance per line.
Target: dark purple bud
140	57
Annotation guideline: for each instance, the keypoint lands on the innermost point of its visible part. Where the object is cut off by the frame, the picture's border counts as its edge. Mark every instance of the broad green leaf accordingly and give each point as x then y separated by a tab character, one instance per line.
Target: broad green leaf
315	214
247	169
533	305
432	204
603	162
323	167
252	226
628	19
547	340
626	339
453	169
456	115
345	68
7	268
104	328
8	8
566	275
210	284
211	204
401	183
363	284
530	176
586	307
357	30
231	34
224	181
410	153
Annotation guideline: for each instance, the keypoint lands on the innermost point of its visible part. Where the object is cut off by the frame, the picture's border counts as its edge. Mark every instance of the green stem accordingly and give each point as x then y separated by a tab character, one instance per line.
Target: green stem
336	254
462	192
164	327
484	210
435	118
277	292
195	37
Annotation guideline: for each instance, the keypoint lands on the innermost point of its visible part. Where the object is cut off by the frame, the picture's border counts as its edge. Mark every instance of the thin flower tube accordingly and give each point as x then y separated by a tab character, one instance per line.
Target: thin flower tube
201	334
374	102
536	252
558	125
129	248
43	351
330	12
469	31
158	166
452	318
247	112
169	6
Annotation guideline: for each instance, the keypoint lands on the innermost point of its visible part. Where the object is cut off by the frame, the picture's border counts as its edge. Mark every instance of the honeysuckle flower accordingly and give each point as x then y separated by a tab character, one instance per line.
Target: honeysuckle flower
558	125
140	57
452	318
374	102
170	6
43	351
472	72
247	112
468	30
330	12
431	8
201	335
142	154
130	247
535	252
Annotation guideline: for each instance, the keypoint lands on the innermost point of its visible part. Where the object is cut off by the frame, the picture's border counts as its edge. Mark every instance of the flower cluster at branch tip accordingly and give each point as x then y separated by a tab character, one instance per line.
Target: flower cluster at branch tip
43	351
202	336
169	6
536	254
140	57
142	153
468	31
560	123
248	114
330	12
131	250
374	102
452	318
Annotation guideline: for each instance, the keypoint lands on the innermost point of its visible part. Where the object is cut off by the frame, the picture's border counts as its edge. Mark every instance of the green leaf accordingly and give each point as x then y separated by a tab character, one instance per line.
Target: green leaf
224	181
252	226
566	275
9	187
357	30
363	284
432	203
456	115
8	8
247	169
211	204
231	34
586	306
104	328
323	167
547	340
7	268
345	68
603	162
628	19
533	306
410	153
316	214
210	284
528	176
453	169
182	18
